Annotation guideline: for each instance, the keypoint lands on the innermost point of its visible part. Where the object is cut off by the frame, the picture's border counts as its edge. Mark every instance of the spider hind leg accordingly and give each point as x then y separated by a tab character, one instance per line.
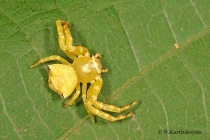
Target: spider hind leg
95	106
107	116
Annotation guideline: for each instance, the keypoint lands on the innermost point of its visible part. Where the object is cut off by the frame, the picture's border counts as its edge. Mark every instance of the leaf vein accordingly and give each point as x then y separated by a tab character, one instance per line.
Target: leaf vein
196	10
129	40
10	119
167	19
24	86
201	87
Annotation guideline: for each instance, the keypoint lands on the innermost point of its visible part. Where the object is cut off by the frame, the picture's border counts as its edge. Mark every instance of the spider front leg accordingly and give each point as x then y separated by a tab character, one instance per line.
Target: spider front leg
66	41
93	93
50	58
98	55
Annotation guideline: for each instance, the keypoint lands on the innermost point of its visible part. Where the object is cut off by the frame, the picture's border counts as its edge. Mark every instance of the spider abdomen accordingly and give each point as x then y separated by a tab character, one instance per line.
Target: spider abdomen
62	79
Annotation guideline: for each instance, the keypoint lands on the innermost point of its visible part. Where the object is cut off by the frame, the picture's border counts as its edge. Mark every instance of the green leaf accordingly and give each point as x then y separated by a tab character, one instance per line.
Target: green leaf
136	39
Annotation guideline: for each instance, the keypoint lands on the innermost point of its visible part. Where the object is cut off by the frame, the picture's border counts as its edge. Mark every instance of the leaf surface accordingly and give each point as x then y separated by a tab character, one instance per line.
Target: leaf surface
136	39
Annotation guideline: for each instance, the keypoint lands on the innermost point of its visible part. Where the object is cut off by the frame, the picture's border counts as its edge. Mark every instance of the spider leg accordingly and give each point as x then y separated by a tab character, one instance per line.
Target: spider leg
50	58
93	93
84	98
77	50
98	55
104	71
75	96
66	41
61	39
112	108
107	116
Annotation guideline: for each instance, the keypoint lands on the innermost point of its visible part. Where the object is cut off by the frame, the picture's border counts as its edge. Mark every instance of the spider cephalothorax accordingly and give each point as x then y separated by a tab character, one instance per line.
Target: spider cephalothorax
65	77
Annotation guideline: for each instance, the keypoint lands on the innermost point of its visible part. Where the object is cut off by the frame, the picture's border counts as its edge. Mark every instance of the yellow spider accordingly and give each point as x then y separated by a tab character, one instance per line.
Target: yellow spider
64	78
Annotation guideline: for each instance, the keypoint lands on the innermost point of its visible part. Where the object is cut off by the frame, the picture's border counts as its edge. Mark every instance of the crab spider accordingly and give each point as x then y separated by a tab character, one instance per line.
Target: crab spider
66	77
